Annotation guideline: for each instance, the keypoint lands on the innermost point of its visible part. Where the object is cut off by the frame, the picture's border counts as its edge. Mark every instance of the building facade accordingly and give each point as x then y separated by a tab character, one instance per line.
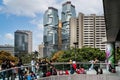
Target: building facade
23	41
88	30
60	35
7	48
68	11
40	51
50	37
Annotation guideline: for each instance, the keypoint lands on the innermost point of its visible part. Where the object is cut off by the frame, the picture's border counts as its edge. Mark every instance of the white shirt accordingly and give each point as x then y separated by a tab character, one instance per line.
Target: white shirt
32	62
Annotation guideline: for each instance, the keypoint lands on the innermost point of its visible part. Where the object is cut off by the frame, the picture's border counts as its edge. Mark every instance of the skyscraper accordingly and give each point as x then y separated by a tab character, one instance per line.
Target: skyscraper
23	42
50	37
88	30
68	11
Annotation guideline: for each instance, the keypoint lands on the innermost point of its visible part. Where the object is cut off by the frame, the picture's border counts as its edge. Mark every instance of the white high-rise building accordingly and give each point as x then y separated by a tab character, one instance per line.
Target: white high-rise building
88	30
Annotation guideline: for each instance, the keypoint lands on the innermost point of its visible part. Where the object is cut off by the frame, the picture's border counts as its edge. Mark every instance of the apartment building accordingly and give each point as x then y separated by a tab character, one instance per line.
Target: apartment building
88	30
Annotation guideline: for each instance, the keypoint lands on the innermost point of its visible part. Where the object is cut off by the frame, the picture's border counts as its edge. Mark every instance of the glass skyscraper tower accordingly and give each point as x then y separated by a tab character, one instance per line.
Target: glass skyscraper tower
68	11
50	37
23	42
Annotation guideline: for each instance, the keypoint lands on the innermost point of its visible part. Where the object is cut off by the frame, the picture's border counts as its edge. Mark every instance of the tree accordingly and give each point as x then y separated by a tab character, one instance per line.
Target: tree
84	54
26	58
6	55
57	55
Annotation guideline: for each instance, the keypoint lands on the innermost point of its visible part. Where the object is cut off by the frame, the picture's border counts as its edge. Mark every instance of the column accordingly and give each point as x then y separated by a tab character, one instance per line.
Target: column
110	54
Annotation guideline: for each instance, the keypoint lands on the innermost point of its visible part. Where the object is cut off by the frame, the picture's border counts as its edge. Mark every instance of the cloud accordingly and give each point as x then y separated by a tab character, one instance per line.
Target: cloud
88	7
38	22
0	9
9	36
26	7
33	7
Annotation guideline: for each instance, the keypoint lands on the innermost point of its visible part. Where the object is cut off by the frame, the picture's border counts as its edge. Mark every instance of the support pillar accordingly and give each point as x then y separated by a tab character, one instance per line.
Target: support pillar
110	54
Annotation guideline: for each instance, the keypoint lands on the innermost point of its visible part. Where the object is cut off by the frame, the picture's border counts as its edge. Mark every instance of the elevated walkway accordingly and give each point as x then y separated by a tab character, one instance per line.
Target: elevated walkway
90	74
82	77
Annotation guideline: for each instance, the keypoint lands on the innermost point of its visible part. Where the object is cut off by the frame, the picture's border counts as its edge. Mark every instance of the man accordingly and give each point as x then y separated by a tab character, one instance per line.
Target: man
96	65
20	70
33	65
3	67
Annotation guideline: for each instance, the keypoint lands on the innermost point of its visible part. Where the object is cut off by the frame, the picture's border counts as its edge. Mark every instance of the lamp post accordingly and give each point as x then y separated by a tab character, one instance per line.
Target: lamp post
75	43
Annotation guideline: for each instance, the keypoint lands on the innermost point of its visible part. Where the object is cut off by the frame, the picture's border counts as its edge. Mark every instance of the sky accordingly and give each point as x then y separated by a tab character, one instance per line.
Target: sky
28	15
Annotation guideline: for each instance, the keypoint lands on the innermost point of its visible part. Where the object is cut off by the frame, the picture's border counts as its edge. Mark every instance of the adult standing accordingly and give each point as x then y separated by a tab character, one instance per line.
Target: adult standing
3	67
74	67
33	64
96	65
13	75
9	72
20	69
44	67
71	68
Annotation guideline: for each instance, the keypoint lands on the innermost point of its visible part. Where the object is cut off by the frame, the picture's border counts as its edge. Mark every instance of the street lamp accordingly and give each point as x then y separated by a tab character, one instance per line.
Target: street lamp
75	43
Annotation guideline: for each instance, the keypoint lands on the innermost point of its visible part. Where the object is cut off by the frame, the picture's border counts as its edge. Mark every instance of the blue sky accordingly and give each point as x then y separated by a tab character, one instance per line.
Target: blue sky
28	15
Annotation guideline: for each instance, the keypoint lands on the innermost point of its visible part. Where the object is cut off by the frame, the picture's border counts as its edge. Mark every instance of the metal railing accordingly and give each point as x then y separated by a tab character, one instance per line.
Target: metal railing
12	73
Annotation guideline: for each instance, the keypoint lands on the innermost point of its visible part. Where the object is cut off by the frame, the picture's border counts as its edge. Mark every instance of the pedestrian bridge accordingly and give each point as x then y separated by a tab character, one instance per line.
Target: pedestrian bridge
61	67
90	75
83	77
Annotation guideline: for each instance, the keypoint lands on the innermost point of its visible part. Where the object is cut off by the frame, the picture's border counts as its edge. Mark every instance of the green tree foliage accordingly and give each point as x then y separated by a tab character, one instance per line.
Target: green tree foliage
26	58
82	55
6	55
88	53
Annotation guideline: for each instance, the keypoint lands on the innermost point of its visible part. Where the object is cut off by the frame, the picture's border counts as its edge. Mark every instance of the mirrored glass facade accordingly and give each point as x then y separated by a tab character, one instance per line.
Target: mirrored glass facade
68	11
50	37
23	42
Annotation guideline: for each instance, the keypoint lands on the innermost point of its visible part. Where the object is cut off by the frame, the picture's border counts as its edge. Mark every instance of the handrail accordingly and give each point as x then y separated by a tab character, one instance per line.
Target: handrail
14	68
56	64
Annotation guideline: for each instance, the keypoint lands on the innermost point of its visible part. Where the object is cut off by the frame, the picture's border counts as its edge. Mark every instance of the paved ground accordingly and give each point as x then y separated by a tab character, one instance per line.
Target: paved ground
105	71
91	75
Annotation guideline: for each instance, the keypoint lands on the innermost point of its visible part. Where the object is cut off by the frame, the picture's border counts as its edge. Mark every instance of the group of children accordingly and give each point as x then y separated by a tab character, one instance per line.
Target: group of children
29	74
